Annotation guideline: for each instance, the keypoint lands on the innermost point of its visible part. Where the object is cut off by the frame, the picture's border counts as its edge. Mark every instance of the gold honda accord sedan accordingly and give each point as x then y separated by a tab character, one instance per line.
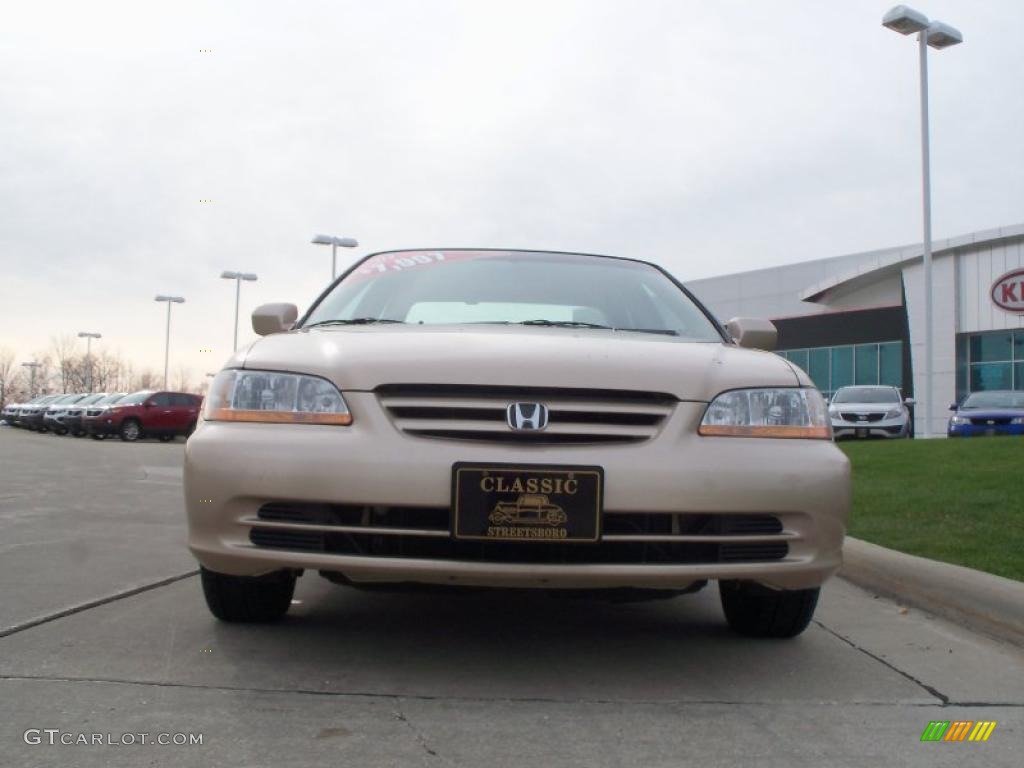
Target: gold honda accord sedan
500	418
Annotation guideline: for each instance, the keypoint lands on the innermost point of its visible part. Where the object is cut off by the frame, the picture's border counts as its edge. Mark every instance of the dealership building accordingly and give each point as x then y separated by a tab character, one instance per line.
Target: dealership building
859	319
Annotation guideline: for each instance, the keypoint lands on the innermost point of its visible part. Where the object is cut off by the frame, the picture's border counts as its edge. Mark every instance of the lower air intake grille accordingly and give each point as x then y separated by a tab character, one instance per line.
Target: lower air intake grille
644	538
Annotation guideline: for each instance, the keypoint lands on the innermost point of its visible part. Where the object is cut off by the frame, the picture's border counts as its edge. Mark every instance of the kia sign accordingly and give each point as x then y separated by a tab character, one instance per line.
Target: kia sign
1008	291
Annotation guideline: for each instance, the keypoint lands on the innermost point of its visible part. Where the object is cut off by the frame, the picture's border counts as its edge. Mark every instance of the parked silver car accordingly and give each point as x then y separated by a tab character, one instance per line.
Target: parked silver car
869	411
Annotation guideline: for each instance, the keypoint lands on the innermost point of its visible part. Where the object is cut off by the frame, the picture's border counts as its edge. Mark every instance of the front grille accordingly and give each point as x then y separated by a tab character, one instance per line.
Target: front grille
998	421
94	412
869	417
470	412
424	532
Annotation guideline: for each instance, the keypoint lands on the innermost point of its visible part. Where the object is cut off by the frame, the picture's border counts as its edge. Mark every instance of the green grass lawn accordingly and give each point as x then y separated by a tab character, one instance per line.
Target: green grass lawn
960	501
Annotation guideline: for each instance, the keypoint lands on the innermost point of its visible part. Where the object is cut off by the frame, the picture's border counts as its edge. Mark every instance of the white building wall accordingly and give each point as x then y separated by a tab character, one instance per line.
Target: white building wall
977	268
944	320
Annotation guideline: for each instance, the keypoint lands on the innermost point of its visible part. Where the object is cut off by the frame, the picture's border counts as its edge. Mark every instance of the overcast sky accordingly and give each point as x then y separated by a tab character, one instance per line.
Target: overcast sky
711	137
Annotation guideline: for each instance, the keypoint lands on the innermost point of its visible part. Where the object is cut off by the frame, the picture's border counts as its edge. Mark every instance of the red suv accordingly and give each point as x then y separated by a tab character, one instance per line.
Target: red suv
147	413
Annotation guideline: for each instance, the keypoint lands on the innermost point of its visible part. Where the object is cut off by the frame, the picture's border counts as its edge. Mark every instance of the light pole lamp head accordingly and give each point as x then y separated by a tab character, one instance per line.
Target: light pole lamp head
344	242
238	275
173	299
943	36
87	335
905	20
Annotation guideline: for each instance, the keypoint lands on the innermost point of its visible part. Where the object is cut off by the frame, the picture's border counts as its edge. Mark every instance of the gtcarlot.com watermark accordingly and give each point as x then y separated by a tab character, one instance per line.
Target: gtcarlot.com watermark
55	736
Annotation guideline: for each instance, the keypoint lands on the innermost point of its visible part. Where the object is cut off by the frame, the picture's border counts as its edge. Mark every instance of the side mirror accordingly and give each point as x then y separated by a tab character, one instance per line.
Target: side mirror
909	401
274	318
952	407
148	404
753	332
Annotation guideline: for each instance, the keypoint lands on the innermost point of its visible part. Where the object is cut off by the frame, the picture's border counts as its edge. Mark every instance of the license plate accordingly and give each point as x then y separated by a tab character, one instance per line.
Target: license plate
862	433
506	502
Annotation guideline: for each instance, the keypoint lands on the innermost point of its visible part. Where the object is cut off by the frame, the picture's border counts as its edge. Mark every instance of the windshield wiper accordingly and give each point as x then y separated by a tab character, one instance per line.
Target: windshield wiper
355	321
662	331
564	324
580	324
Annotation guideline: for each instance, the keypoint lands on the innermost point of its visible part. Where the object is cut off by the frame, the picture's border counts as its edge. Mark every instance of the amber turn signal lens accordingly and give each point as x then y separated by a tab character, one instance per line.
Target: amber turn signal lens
722	430
281	417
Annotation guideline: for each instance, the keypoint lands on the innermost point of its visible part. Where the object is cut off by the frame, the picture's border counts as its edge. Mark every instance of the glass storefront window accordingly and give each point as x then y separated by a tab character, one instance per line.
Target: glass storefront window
986	361
842	367
817	369
833	367
991	376
865	364
890	364
990	347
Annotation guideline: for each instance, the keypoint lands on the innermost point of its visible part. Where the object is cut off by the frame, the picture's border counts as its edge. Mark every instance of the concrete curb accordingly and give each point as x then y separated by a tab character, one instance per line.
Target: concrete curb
989	604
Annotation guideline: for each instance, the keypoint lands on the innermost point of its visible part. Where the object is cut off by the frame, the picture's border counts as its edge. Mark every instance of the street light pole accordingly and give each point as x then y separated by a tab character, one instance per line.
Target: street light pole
926	219
167	339
907	21
238	277
334	242
32	381
88	353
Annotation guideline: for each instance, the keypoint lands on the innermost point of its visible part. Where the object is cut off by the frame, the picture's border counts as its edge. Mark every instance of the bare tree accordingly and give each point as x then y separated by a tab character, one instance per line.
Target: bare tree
6	374
183	379
148	379
63	348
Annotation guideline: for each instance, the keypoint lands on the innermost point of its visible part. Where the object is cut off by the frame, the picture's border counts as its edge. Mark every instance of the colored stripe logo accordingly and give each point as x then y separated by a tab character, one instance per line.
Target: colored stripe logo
958	730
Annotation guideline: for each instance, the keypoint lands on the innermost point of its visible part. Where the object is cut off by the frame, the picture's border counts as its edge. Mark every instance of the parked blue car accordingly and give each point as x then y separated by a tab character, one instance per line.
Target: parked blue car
996	412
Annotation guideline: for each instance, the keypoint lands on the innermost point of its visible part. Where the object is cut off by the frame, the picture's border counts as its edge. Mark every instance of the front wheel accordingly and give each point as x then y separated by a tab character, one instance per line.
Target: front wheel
130	431
166	438
248	599
757	611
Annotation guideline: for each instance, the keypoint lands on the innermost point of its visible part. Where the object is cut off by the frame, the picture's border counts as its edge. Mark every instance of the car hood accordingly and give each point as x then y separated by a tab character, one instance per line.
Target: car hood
990	413
363	358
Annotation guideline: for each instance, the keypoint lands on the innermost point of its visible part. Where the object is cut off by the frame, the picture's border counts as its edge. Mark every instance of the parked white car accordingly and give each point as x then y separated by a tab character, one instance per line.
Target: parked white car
869	411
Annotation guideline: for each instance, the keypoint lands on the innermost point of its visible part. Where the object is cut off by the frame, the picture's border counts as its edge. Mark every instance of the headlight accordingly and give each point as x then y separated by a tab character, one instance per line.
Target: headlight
288	398
959	420
787	412
894	413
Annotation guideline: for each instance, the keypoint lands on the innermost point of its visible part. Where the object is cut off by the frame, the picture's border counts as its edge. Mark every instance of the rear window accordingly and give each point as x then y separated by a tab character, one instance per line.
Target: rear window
182	400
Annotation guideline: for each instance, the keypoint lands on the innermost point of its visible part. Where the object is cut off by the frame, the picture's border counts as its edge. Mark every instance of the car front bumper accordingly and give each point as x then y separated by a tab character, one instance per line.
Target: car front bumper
233	469
100	425
891	428
984	430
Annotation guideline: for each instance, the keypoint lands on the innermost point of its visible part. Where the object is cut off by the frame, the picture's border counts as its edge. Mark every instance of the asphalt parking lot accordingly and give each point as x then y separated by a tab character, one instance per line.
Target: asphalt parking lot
103	630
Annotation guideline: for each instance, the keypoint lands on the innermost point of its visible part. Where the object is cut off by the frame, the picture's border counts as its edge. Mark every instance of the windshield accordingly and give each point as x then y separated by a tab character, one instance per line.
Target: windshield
511	287
866	395
135	398
91	399
110	399
994	400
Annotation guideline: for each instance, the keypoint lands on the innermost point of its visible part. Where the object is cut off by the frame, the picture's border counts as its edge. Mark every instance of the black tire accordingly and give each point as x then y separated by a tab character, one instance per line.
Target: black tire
189	430
248	599
98	437
130	430
166	438
757	611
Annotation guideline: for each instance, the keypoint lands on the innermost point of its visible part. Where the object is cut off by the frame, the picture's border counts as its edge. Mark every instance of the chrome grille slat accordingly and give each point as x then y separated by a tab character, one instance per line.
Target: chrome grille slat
459	412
